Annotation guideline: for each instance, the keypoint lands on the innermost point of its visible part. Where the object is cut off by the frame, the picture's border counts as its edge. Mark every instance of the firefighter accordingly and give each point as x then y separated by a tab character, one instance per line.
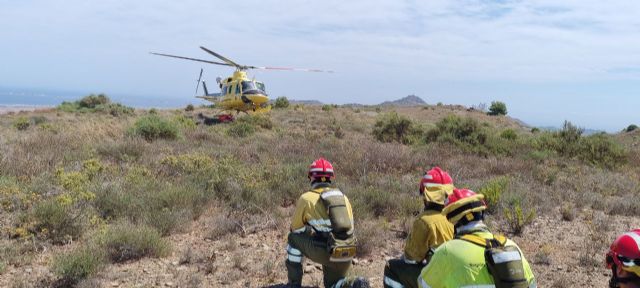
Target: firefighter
476	257
322	230
623	259
429	230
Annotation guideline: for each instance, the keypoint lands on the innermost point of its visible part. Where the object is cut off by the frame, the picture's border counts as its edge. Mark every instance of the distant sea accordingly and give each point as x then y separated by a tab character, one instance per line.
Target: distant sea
40	97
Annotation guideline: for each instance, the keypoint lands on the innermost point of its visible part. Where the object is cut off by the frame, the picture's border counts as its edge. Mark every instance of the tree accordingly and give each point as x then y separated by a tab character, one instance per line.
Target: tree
497	108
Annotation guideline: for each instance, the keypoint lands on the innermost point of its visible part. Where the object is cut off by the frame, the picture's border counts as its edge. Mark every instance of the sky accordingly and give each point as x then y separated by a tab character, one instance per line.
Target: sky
549	61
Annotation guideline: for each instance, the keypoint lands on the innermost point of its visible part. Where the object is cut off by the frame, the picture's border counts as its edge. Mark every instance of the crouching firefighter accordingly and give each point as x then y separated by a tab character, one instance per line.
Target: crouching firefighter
476	257
623	259
429	230
322	230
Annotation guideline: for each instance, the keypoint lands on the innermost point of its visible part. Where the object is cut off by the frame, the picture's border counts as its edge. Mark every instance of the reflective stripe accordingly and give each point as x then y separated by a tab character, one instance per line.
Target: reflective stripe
332	193
301	230
322	228
338	284
428	177
340	259
320	170
506	257
294	259
479	286
409	261
433	184
320	222
392	283
635	237
293	251
422	283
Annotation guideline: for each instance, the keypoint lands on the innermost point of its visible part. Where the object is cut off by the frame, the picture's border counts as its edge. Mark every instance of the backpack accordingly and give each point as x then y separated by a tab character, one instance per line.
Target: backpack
503	262
341	242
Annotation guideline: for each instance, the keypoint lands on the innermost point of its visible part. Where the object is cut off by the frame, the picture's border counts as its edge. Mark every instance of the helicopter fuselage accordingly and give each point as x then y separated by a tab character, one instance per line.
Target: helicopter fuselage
239	93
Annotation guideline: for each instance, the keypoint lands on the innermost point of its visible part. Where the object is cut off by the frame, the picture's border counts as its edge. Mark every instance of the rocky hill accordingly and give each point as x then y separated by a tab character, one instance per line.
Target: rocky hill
409	101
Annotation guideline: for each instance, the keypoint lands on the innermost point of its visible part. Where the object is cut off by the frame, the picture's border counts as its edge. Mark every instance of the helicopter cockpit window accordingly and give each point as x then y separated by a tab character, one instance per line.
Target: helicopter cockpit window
223	90
260	86
252	86
238	89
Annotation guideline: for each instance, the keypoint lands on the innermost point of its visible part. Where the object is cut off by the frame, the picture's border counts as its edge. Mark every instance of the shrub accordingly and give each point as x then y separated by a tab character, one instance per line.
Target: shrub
78	264
509	134
56	221
93	100
115	109
241	129
189	108
493	191
516	217
631	127
568	212
184	122
257	120
152	127
497	108
464	132
394	128
282	103
535	130
37	120
126	241
327	107
21	123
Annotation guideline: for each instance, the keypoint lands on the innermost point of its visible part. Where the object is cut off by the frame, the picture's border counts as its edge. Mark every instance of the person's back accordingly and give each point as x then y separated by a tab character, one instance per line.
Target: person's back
430	229
322	230
476	258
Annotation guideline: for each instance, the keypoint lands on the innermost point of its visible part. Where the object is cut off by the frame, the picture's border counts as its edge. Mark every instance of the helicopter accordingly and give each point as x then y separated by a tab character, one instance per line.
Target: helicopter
237	92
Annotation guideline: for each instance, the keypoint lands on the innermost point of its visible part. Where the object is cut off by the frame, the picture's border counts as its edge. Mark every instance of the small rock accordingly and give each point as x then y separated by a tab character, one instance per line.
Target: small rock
168	284
175	263
115	284
355	261
28	270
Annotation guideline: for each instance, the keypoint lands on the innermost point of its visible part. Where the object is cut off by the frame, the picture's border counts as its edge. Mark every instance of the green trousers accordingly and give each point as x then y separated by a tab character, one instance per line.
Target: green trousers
398	274
304	245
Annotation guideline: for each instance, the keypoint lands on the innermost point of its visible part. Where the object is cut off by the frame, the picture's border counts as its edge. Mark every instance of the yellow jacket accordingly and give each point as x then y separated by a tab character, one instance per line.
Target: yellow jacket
429	230
459	263
310	211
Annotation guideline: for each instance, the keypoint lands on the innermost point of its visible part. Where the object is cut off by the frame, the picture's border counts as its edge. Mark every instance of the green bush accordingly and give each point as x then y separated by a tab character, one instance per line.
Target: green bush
497	108
184	122
464	132
114	109
21	123
92	101
152	127
535	130
56	221
37	120
282	103
78	264
509	134
124	242
189	108
327	107
493	191
241	129
518	218
631	127
257	120
395	128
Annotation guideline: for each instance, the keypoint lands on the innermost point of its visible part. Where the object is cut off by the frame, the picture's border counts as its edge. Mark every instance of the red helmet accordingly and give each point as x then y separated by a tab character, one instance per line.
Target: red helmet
320	168
463	202
625	252
434	177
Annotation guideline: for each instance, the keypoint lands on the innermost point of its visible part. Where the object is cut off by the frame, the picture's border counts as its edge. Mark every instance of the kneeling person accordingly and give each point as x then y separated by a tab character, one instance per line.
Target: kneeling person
322	230
476	257
429	230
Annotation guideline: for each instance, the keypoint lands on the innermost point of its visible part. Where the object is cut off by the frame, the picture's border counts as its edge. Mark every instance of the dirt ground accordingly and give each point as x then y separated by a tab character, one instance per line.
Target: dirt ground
562	254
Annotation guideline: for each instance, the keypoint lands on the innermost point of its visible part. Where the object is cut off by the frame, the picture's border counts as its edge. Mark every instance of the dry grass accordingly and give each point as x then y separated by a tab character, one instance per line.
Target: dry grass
168	183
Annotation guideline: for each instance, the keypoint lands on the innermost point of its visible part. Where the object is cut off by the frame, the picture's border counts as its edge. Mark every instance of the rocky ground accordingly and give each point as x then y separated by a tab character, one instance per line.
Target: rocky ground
563	254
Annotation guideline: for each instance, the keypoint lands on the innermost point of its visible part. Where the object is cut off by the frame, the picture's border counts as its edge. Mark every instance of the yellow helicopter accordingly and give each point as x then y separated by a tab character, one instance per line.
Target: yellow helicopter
238	92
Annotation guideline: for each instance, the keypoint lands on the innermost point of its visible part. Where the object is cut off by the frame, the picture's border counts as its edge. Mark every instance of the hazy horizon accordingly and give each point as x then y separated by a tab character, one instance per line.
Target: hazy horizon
549	61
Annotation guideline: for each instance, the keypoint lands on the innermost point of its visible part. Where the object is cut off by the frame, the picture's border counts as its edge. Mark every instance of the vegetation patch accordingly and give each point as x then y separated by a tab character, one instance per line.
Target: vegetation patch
123	242
96	103
78	264
153	127
395	128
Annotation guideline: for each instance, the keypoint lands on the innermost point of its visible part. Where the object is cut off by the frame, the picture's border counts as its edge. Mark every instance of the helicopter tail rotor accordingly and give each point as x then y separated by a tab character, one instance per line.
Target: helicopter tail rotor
199	78
204	86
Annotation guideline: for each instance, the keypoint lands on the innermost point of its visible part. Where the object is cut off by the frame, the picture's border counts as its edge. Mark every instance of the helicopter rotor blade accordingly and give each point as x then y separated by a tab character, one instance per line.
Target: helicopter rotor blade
289	69
199	78
192	59
229	62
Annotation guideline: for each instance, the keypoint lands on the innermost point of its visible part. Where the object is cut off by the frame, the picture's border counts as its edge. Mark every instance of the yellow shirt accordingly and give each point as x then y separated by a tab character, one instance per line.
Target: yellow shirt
311	211
429	230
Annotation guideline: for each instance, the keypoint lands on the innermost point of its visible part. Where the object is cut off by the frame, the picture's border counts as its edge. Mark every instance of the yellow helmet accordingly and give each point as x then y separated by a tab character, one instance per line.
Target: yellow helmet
465	205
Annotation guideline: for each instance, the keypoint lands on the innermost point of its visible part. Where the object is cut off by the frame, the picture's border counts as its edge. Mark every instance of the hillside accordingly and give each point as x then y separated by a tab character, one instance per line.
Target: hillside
211	205
408	101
